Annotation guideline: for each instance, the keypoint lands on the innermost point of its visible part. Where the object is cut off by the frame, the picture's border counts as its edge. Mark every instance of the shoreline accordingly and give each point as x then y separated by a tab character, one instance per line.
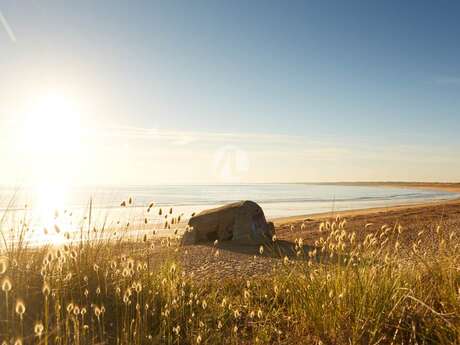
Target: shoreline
453	187
313	216
361	211
429	186
417	222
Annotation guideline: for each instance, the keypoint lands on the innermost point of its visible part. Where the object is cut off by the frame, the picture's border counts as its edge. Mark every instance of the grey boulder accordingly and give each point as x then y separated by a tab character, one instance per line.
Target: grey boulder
242	222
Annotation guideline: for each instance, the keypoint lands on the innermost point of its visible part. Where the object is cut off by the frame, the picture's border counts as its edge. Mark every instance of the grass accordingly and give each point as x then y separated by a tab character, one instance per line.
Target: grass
352	288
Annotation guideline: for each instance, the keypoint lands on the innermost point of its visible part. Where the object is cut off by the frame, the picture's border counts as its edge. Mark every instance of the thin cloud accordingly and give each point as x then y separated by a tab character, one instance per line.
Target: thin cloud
8	28
294	146
187	137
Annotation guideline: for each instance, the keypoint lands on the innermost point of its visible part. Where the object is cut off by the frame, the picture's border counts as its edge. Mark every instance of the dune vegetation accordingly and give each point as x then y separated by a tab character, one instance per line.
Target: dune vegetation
352	287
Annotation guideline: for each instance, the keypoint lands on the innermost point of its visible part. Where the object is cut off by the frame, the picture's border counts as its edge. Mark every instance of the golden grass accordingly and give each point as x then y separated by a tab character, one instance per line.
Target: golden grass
349	289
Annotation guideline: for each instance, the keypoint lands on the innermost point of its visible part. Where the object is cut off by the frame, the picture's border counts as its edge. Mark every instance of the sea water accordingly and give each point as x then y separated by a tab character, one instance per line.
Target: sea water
77	207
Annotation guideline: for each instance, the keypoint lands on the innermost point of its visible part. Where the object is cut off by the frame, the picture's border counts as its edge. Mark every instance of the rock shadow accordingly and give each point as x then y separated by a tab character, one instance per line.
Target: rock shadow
275	250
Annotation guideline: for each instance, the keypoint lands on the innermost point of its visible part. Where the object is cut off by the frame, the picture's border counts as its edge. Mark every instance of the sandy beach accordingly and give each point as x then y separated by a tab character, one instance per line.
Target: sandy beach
439	186
434	186
227	260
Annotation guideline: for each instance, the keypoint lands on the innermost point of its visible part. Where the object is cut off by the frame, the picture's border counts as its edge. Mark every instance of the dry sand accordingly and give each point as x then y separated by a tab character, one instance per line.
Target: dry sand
227	260
434	186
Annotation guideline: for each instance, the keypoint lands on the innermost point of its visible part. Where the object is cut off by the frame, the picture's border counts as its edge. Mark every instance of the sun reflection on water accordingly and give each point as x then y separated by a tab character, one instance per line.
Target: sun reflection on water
50	223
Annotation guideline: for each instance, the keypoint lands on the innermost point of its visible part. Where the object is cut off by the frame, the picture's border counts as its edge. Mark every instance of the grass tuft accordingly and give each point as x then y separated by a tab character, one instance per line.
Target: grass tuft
351	288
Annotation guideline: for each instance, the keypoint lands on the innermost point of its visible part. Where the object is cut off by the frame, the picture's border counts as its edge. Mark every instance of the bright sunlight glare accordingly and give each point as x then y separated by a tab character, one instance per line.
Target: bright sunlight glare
50	136
48	205
52	125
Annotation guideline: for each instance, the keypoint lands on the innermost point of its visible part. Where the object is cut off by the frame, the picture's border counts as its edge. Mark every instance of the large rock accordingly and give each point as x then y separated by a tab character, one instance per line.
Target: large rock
242	221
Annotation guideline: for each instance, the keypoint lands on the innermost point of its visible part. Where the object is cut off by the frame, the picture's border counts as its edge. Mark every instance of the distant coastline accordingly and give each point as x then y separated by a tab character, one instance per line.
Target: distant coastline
453	187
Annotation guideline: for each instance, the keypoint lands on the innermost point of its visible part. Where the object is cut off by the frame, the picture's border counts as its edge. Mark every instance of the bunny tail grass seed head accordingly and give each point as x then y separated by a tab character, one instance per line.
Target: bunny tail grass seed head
6	285
20	308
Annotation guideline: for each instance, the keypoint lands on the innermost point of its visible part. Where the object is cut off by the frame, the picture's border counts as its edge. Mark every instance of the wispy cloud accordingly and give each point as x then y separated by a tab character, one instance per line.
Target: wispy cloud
186	137
8	28
301	147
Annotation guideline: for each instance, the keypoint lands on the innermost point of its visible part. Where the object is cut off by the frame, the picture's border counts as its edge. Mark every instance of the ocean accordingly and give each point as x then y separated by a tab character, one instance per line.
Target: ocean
70	207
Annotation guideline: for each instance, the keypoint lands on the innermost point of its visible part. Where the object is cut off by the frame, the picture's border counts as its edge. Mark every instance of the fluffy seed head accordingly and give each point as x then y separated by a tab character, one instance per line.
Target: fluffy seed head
261	250
20	308
38	329
46	289
3	265
97	312
69	307
6	285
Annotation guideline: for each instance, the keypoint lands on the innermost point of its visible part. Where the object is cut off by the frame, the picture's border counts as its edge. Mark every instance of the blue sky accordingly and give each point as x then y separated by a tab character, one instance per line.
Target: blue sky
355	90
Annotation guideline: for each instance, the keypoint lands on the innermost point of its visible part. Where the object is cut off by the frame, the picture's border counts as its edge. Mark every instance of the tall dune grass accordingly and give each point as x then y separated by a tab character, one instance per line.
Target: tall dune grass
352	288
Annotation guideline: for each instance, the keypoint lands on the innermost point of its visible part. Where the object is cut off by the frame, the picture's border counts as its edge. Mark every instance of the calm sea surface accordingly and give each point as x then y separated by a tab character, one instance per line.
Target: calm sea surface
69	207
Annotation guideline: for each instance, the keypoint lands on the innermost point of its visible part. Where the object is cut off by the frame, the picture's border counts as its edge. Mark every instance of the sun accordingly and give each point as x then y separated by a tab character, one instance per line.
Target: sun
52	125
50	139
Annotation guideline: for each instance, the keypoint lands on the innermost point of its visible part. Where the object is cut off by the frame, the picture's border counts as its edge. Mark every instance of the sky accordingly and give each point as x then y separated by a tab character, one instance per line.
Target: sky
167	92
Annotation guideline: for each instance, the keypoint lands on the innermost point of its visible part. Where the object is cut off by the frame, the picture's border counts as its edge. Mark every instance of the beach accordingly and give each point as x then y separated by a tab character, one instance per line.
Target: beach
453	187
403	208
386	259
281	203
236	260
